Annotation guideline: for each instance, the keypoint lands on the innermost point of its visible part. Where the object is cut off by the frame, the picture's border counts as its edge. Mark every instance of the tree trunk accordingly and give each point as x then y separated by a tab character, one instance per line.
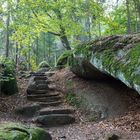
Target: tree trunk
128	17
65	42
37	51
63	36
7	33
16	55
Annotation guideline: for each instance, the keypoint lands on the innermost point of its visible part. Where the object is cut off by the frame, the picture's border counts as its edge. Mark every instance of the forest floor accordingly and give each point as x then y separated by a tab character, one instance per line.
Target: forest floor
126	126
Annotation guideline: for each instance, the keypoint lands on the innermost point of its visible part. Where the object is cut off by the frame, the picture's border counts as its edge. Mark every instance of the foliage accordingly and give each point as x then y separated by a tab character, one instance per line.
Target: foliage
8	67
43	64
7	76
73	100
63	58
37	30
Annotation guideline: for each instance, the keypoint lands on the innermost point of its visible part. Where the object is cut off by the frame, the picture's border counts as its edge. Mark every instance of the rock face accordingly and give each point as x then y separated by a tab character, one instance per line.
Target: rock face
116	56
12	131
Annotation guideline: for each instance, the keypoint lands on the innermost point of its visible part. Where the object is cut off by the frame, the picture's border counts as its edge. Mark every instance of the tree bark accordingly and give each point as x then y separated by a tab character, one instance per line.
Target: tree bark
63	36
128	17
7	33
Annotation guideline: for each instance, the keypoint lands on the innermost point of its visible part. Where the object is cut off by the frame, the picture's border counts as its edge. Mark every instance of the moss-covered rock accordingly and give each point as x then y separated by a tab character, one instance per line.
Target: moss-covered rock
12	131
118	56
8	77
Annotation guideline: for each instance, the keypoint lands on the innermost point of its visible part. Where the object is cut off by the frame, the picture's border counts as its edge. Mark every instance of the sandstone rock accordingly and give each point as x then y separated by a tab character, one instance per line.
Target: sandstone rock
116	56
28	110
12	131
46	111
46	99
56	103
54	119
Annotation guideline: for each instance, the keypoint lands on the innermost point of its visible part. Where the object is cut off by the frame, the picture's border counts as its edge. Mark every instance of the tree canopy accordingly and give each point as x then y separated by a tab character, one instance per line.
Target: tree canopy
36	30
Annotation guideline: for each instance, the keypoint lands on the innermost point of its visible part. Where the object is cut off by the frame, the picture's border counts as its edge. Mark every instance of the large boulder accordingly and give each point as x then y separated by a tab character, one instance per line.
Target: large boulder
12	131
116	56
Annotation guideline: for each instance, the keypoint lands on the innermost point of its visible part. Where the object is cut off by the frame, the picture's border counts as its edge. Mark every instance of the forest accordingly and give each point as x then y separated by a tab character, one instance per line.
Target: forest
69	69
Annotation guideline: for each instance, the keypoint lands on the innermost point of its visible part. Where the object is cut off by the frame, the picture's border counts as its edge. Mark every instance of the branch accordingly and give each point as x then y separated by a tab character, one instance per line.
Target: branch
44	25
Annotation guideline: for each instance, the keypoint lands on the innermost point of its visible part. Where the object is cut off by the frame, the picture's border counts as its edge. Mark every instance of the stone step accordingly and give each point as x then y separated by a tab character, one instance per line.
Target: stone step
28	110
50	73
37	73
42	87
56	103
46	99
54	120
34	91
43	95
36	78
41	82
47	111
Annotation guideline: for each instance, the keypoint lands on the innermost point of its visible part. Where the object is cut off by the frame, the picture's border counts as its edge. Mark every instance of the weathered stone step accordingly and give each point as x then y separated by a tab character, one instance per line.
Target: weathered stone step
42	87
50	73
46	99
41	82
34	91
28	110
47	111
43	95
36	78
56	103
54	120
37	73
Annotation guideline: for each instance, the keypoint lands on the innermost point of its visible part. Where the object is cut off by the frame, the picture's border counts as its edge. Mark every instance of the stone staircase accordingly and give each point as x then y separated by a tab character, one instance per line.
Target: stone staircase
52	111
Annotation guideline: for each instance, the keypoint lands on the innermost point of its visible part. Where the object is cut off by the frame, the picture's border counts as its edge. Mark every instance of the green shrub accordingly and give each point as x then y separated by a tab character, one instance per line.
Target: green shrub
73	100
63	59
7	76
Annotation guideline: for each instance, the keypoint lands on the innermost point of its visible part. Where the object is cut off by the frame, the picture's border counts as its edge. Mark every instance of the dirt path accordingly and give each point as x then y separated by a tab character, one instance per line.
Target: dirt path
126	126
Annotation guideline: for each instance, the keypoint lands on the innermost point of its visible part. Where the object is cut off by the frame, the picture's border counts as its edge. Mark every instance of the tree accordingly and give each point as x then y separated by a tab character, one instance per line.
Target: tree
56	17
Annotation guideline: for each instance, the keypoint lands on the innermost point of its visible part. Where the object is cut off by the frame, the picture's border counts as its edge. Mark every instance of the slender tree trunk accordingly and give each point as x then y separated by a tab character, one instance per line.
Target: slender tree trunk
44	45
65	42
137	15
7	33
37	51
29	59
128	17
17	50
89	28
100	34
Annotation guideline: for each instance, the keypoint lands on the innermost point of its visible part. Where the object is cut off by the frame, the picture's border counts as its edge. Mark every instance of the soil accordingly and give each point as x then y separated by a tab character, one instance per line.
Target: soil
126	125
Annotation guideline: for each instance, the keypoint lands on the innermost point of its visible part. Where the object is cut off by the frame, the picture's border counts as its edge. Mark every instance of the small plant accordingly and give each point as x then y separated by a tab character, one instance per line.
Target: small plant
73	100
43	64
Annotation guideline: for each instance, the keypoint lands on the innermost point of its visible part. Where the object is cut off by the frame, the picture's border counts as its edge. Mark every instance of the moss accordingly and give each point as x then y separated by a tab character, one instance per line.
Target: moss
12	131
118	56
127	65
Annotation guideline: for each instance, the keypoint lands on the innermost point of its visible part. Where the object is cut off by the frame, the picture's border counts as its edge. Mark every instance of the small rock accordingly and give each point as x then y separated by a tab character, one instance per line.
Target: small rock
113	137
28	110
54	119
